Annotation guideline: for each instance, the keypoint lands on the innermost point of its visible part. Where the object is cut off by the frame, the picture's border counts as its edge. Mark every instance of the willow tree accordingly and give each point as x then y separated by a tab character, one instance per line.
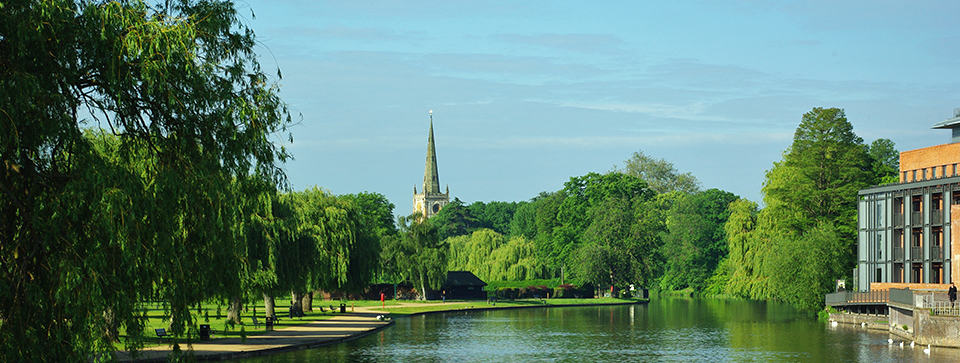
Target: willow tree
418	256
83	237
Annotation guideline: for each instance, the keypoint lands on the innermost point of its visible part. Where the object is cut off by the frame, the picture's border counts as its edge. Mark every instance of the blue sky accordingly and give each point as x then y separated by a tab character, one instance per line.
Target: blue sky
528	94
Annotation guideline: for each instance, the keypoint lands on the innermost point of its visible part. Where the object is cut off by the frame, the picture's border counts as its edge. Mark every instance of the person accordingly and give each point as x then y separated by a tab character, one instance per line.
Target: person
443	293
952	293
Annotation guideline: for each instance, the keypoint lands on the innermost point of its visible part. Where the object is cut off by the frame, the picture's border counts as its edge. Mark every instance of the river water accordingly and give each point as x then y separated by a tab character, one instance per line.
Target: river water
666	329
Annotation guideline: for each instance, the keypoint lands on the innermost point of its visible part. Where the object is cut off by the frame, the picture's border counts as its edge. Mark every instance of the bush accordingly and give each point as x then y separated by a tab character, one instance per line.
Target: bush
564	291
507	293
531	292
585	291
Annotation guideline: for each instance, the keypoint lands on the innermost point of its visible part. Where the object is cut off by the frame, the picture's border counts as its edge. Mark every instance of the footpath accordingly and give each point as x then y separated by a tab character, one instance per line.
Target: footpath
310	334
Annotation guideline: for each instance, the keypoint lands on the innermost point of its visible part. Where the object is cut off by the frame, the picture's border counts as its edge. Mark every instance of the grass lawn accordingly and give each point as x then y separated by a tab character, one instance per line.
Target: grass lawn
216	316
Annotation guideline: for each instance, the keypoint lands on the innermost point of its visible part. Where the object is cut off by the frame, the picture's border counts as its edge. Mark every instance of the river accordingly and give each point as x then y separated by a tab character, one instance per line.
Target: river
666	329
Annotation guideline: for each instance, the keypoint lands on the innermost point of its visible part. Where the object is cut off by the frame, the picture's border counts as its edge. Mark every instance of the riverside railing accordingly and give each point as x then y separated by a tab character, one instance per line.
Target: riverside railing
850	297
944	308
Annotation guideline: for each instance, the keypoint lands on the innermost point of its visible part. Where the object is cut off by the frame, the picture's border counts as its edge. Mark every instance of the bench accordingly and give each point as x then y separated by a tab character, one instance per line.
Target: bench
161	332
256	324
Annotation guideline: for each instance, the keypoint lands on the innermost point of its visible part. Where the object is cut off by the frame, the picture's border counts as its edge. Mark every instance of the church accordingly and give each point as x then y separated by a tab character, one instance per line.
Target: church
431	201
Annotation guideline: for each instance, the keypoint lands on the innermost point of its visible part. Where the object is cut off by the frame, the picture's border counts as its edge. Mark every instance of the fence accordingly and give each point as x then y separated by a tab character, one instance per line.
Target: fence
944	308
850	297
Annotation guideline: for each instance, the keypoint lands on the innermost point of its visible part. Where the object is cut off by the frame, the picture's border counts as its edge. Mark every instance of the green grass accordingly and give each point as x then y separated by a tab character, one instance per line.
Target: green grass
467	305
156	318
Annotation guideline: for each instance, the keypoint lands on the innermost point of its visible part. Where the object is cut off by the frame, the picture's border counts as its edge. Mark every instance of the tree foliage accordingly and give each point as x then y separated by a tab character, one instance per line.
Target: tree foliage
93	228
660	174
696	241
418	256
885	161
492	257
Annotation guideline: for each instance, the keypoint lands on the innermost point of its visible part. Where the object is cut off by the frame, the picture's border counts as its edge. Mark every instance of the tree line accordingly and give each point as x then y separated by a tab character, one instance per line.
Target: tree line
648	224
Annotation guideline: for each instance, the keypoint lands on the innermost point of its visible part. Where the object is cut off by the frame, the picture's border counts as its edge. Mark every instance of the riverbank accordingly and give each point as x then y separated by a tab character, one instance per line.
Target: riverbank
361	321
412	309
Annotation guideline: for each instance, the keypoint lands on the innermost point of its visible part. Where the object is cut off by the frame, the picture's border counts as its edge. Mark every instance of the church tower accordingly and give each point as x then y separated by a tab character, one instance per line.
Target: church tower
431	201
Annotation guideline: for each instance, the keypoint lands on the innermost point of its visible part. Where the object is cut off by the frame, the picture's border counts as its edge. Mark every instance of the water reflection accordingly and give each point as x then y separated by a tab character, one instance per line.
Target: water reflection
671	329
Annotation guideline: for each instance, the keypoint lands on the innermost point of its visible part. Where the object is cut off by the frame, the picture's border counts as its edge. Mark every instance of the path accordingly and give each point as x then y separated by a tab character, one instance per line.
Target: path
386	310
337	329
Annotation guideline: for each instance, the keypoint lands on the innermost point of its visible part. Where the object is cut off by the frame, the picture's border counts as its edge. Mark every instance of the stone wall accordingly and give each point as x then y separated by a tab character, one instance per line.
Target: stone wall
875	322
941	331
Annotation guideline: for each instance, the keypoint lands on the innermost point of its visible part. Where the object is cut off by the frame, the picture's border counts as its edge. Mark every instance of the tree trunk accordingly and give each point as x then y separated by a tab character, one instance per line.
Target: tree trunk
307	301
112	332
423	288
233	312
268	305
296	302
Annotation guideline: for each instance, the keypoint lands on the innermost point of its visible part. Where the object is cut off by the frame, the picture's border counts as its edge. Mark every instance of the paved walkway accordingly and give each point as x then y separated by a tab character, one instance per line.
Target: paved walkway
310	334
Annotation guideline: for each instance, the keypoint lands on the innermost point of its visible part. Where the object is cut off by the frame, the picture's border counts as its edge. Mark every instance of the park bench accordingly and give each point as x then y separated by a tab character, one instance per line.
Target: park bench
256	323
161	332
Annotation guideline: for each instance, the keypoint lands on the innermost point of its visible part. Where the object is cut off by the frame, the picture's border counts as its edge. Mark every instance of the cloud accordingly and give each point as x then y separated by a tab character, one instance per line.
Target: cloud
579	43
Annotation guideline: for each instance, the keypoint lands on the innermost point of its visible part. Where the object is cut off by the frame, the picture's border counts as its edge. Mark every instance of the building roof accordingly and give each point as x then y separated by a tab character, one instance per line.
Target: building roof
951	122
909	185
463	278
431	179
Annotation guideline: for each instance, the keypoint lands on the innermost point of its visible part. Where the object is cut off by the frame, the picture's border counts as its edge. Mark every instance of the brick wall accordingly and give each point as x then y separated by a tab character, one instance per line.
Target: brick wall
874	286
929	162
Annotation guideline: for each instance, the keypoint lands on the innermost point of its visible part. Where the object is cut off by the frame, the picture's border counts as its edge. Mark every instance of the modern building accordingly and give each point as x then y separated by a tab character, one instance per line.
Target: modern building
909	232
431	201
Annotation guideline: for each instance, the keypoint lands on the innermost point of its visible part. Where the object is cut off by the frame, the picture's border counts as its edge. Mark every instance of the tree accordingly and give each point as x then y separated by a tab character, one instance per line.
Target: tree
86	236
804	269
494	215
806	234
454	219
376	226
492	257
696	241
746	252
419	256
885	160
660	174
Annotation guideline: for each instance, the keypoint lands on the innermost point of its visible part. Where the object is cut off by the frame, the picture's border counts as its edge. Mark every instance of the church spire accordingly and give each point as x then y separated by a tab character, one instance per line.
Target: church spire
431	180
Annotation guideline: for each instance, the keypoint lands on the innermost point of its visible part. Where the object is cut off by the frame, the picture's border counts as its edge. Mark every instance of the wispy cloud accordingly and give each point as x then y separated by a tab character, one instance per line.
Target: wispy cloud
579	43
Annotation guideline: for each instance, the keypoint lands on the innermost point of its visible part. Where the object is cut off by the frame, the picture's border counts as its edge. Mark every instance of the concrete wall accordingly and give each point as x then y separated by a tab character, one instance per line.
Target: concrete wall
875	322
941	331
900	317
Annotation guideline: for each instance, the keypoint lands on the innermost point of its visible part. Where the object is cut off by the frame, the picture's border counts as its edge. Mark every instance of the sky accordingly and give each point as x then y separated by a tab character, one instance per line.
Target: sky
527	94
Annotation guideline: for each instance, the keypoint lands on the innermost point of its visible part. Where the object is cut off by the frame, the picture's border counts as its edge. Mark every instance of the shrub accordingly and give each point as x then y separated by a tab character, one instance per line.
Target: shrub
508	293
564	291
585	291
